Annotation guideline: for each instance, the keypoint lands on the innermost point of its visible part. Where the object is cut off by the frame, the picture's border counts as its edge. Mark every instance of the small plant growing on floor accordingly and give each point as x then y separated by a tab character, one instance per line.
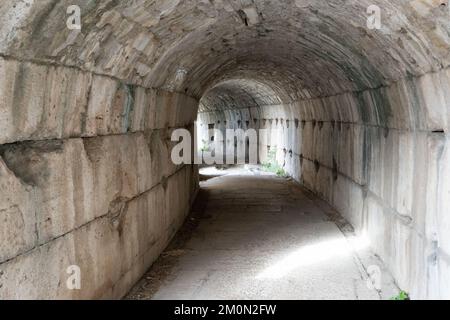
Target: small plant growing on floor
401	296
281	173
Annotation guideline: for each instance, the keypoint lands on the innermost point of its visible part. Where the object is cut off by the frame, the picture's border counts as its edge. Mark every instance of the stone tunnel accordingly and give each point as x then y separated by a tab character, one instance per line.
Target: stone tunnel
87	112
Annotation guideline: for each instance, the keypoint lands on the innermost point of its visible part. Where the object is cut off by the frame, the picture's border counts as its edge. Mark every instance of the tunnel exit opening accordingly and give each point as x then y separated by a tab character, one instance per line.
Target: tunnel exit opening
229	122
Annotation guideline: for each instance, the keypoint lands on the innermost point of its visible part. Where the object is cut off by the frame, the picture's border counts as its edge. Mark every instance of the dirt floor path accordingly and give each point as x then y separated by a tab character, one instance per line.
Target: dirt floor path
254	235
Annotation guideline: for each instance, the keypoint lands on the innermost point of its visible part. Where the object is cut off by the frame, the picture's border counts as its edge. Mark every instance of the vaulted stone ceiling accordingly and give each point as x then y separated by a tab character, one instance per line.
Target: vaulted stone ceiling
235	94
309	48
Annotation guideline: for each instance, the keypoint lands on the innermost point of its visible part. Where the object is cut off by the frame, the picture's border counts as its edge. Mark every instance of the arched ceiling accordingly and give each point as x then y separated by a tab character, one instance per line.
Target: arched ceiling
309	48
239	93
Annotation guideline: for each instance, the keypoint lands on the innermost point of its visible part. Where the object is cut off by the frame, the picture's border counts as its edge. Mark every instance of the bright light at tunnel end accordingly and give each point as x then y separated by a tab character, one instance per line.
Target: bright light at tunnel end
236	146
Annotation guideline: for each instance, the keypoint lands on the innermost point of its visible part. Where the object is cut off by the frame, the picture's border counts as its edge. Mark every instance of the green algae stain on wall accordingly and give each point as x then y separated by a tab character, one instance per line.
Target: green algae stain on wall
128	107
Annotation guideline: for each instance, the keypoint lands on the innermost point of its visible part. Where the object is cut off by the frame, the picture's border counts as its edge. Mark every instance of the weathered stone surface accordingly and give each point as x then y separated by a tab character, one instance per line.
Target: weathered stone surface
17	214
47	102
83	178
393	188
378	156
112	251
179	45
62	177
359	116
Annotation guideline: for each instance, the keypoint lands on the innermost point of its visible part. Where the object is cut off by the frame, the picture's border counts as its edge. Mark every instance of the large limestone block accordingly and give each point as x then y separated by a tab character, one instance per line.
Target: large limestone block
403	194
142	106
375	157
434	95
22	88
158	142
41	102
444	276
40	273
348	199
403	102
358	169
375	226
122	167
110	107
61	174
18	232
349	105
443	198
163	109
43	272
435	191
67	95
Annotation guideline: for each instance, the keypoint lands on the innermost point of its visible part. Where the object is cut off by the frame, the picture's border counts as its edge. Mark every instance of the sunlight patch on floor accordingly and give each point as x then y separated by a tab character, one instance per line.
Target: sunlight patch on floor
243	170
313	254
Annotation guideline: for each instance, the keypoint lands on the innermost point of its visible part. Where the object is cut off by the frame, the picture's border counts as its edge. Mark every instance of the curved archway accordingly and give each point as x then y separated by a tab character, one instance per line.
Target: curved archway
87	114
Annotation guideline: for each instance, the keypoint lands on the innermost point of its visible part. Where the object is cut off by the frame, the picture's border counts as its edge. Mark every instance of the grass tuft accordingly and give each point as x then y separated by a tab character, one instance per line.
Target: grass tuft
401	296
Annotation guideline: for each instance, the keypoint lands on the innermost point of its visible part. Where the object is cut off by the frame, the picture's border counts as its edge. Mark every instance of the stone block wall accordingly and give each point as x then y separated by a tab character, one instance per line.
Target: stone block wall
86	179
381	158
